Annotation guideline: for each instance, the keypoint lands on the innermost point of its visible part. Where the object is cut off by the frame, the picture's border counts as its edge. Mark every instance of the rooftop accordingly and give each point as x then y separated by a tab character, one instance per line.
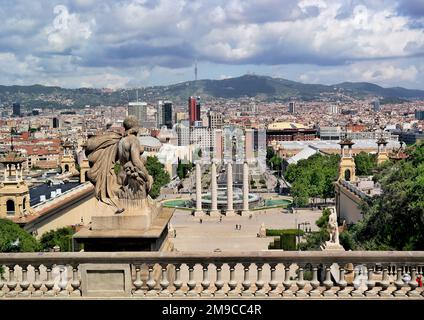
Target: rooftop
46	190
285	125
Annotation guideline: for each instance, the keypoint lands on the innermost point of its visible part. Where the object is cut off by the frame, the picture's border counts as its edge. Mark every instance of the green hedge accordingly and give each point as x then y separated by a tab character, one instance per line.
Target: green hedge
279	232
288	242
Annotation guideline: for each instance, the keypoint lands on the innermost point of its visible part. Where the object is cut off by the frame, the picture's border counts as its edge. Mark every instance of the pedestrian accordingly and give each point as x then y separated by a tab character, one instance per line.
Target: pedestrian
220	218
420	281
201	221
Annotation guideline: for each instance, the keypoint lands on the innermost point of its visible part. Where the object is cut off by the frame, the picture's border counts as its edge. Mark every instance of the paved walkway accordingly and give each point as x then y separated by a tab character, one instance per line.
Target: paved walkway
212	234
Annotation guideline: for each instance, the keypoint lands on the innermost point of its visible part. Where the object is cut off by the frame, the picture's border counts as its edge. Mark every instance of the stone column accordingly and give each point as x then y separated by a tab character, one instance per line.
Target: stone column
248	144
230	207
214	191
245	210
199	211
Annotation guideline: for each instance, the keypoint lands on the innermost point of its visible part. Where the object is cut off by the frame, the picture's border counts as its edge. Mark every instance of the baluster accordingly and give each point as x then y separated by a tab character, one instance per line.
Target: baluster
49	284
151	282
246	282
164	283
37	284
314	283
301	283
343	292
287	283
357	292
206	292
24	284
273	284
259	281
63	282
385	283
191	282
328	283
75	283
219	284
370	282
232	283
178	283
138	283
11	284
399	284
413	283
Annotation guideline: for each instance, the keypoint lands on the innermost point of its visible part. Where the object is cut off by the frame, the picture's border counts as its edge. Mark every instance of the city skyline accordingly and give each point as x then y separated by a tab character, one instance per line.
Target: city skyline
72	44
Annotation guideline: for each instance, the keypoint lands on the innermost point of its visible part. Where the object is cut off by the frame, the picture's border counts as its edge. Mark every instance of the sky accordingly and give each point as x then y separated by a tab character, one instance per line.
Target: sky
138	43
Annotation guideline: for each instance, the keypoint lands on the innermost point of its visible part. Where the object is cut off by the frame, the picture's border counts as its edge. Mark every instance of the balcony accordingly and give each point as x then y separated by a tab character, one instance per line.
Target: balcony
260	274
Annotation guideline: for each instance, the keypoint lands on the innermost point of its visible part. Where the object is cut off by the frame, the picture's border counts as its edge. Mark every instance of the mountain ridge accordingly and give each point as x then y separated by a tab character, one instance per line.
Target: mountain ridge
265	88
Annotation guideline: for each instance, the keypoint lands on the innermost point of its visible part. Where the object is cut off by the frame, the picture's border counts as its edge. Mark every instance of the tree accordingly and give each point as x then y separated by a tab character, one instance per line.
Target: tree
300	194
160	176
15	239
183	169
61	237
394	220
313	177
314	240
364	163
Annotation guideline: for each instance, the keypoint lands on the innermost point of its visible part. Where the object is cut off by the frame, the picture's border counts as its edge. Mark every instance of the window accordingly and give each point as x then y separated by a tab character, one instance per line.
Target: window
347	175
10	207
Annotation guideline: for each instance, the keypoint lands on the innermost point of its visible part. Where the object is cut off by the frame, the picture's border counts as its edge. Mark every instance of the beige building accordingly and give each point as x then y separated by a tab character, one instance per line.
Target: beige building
14	192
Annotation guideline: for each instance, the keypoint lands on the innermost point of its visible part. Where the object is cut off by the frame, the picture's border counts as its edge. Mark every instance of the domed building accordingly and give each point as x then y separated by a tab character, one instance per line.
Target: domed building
150	144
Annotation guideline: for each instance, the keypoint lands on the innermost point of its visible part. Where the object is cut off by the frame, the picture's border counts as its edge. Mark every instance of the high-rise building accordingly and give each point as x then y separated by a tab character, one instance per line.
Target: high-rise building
419	114
215	120
194	109
165	114
16	109
376	105
139	110
292	107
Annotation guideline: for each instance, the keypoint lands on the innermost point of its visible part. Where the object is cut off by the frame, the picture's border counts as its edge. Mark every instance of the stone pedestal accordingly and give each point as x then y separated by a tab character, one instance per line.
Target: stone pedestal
141	227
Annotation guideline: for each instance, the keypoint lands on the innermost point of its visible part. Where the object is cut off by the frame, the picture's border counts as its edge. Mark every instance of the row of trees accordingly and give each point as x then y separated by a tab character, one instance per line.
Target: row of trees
15	239
312	178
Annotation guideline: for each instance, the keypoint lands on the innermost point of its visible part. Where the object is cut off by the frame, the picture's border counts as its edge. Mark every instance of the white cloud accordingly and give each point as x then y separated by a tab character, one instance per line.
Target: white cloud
67	31
92	37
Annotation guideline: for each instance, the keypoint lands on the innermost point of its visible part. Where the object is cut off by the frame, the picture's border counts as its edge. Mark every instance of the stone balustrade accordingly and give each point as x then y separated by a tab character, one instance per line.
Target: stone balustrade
259	274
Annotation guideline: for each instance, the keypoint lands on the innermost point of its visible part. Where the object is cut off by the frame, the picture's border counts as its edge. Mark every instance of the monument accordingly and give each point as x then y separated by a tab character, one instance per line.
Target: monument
128	218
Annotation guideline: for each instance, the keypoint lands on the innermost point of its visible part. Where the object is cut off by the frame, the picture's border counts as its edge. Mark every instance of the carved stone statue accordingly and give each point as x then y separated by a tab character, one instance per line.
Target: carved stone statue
116	167
333	243
333	227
